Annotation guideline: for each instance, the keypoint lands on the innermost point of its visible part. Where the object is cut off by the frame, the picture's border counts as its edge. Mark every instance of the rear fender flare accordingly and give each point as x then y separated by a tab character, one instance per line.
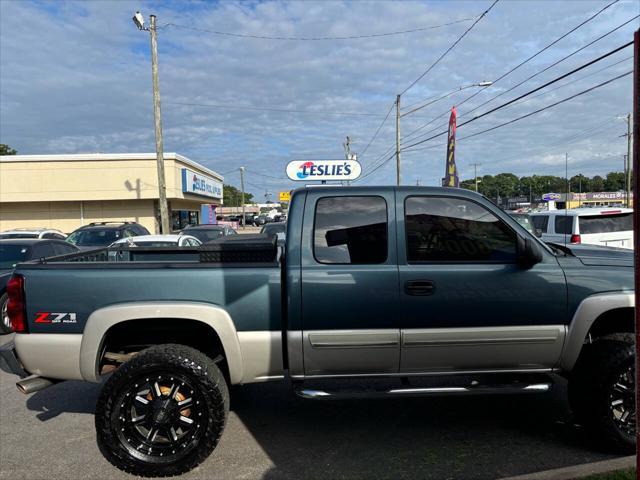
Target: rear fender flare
587	313
102	320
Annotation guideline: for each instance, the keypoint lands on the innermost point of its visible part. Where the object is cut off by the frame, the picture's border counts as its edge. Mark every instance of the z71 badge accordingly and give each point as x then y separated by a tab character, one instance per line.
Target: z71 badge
55	317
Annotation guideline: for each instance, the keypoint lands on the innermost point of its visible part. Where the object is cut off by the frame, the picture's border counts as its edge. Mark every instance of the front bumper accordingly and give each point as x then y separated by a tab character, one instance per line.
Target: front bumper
8	359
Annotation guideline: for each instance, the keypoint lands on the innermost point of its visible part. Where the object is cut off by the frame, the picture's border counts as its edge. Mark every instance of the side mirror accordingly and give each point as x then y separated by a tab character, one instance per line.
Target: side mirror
528	252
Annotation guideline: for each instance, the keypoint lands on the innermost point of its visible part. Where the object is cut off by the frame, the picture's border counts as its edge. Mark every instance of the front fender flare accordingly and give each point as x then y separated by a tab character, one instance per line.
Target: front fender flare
587	313
102	320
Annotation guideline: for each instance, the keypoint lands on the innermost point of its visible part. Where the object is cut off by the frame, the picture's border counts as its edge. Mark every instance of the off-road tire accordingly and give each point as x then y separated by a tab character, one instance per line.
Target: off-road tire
4	327
591	385
203	379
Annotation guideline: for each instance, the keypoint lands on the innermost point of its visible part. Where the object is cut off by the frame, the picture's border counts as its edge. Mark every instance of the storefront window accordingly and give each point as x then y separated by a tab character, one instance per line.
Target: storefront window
181	218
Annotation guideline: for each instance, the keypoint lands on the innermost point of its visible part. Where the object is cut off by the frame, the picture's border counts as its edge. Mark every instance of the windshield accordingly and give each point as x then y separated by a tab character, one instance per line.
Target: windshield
18	235
622	222
206	235
94	237
12	254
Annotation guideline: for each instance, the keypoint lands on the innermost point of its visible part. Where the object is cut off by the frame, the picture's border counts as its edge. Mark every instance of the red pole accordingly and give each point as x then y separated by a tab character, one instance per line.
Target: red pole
636	222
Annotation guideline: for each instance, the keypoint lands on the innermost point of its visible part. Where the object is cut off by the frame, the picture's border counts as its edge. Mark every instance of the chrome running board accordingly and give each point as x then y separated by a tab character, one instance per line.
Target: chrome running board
423	391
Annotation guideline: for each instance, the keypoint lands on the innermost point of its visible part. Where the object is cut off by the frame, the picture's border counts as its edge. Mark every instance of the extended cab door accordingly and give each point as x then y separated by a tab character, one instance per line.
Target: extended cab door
467	304
349	284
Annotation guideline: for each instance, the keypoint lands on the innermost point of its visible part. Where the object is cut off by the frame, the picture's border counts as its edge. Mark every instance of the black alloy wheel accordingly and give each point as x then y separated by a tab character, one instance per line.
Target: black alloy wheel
622	401
163	412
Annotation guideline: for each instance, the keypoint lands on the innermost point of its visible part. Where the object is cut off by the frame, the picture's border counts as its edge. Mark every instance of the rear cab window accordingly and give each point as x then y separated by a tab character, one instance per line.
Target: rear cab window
350	230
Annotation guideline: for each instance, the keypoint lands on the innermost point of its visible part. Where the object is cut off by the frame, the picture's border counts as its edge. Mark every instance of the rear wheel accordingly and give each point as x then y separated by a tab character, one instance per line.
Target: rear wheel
602	392
162	413
5	324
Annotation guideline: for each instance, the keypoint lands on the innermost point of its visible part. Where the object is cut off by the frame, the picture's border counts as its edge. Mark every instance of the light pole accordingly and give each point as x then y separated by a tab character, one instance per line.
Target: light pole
430	101
138	19
627	161
244	216
475	173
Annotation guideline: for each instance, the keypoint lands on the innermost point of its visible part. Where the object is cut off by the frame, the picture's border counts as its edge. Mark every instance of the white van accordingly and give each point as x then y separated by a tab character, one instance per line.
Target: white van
611	227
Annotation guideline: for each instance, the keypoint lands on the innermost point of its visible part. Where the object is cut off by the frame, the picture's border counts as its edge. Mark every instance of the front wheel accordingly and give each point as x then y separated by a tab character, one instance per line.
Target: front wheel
162	413
602	392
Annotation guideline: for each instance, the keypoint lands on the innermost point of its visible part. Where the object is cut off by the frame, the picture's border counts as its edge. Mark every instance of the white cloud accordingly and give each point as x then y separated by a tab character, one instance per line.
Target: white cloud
76	77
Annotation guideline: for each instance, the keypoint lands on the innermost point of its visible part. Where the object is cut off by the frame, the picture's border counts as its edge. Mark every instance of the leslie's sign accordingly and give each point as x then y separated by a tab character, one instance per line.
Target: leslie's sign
306	170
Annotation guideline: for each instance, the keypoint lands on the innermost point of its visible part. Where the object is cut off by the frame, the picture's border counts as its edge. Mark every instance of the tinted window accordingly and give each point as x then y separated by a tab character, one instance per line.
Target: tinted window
350	230
42	250
94	237
205	234
540	222
18	235
564	224
606	223
12	254
63	249
456	230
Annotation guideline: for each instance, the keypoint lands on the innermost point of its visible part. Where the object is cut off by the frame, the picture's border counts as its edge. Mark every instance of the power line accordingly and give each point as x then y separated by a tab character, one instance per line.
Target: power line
451	47
554	64
525	61
315	39
600	58
378	130
545	108
576	80
271	109
265	175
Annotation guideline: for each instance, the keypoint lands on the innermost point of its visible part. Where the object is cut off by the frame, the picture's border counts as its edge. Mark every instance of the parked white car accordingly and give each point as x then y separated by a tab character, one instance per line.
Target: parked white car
159	241
40	233
612	227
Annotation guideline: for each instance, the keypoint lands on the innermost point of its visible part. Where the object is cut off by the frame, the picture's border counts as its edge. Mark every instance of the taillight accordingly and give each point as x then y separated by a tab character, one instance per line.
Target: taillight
575	238
16	306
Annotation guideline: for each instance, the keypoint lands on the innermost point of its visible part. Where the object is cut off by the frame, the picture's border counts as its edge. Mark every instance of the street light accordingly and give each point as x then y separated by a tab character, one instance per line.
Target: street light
464	87
485	83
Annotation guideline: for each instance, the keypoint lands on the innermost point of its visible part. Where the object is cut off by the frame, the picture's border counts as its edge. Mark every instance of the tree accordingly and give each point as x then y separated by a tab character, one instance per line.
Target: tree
597	184
6	150
233	197
614	181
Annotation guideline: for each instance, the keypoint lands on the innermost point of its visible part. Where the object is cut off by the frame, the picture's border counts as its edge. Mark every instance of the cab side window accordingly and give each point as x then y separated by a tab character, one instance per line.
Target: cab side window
442	229
351	230
564	224
540	222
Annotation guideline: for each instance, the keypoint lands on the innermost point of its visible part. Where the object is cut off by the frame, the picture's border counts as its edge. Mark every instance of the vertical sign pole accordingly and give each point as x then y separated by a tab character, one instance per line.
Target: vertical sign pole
635	164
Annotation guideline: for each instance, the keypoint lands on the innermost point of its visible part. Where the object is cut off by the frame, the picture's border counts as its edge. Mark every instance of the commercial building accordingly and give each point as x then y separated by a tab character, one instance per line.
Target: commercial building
67	191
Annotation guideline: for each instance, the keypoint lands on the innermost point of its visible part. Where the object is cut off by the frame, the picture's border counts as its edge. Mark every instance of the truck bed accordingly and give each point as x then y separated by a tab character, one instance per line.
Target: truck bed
242	276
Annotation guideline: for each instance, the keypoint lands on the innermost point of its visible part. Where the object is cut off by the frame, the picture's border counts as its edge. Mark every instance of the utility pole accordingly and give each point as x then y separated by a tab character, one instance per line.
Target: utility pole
475	173
244	217
398	139
162	188
138	19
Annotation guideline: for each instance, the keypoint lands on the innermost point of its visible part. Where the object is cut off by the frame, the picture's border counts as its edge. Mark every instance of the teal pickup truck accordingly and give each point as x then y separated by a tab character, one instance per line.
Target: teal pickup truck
407	290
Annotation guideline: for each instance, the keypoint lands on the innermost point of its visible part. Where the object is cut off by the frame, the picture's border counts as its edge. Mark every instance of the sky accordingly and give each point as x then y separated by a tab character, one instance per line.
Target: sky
75	77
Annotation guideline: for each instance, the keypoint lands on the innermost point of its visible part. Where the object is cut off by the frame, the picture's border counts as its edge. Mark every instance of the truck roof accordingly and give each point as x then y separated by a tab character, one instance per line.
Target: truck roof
418	190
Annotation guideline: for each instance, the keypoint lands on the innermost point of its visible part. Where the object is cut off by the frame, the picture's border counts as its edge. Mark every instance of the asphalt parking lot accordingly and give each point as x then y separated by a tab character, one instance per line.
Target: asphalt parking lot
273	435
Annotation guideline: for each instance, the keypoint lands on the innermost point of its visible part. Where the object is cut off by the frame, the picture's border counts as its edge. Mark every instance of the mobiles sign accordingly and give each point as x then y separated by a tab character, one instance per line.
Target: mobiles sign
306	170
